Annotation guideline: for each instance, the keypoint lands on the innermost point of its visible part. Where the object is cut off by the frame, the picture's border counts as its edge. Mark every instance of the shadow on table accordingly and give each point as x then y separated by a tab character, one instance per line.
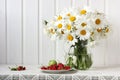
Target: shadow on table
70	72
66	72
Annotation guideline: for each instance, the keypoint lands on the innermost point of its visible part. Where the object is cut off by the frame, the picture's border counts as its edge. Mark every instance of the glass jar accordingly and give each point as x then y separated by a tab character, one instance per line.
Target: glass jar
83	61
81	57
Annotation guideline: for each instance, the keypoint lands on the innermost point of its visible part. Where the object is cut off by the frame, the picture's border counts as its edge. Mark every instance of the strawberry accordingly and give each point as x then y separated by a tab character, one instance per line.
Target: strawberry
48	68
60	66
52	67
43	67
67	67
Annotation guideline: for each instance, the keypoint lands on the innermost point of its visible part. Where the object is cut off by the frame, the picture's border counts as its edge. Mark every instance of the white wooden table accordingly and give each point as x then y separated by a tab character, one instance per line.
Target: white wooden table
34	73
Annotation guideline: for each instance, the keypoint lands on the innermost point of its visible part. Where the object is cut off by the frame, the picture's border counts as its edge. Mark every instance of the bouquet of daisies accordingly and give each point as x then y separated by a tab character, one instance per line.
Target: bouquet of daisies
78	27
73	24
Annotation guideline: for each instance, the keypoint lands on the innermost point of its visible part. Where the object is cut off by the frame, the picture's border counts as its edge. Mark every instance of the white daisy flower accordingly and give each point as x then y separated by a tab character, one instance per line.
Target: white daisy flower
71	15
51	33
70	38
73	18
83	34
85	11
68	27
51	30
61	34
60	25
108	30
58	17
98	20
71	11
99	34
67	13
83	23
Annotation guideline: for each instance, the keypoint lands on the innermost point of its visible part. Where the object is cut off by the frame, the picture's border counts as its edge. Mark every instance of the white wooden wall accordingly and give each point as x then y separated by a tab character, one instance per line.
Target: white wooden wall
21	31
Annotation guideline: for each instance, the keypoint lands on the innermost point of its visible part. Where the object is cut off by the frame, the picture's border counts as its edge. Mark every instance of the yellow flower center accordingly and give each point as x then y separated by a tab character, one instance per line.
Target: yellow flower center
83	12
99	30
70	37
107	30
59	25
97	21
68	27
68	14
83	24
59	18
83	32
72	18
52	31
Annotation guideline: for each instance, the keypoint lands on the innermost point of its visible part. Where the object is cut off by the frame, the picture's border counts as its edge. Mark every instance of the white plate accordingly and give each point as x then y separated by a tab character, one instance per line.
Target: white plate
55	71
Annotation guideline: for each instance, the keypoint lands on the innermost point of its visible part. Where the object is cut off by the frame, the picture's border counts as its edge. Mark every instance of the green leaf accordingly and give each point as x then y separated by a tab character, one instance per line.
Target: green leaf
45	22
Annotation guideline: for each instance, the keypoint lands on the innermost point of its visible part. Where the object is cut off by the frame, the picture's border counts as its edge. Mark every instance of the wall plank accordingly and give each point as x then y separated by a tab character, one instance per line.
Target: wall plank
2	32
14	32
99	50
60	47
113	42
47	47
62	4
30	31
97	4
79	3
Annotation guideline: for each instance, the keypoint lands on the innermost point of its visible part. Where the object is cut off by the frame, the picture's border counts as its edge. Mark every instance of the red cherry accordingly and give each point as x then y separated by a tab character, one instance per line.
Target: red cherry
59	68
19	69
24	68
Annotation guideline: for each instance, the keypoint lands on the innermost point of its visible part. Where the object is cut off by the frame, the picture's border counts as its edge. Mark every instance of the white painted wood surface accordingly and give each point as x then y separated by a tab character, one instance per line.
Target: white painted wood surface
79	3
2	32
14	30
30	31
22	40
113	43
